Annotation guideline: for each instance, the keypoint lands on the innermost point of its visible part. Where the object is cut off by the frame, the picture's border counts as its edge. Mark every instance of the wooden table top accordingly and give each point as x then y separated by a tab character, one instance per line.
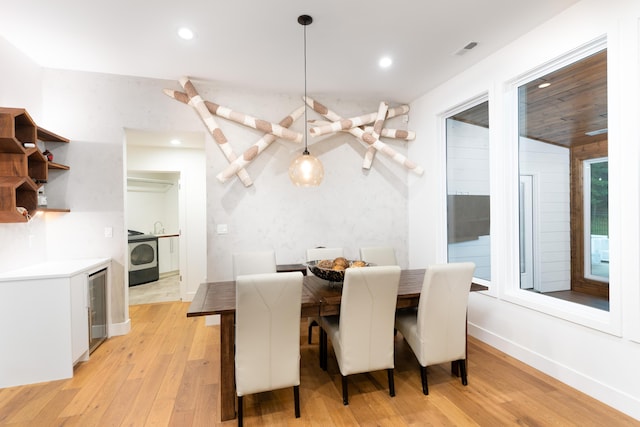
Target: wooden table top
220	297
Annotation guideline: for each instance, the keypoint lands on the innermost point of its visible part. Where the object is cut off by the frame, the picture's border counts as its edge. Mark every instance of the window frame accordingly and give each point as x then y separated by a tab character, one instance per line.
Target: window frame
470	103
605	321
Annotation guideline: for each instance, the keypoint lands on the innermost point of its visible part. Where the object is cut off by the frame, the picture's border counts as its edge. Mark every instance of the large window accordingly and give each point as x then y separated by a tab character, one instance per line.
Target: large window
468	222
563	172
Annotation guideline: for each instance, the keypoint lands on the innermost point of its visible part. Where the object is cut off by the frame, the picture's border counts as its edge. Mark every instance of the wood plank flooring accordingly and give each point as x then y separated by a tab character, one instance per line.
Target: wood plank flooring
165	372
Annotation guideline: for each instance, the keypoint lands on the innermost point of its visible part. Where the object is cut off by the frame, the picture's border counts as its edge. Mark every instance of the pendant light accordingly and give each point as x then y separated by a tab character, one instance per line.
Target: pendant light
306	170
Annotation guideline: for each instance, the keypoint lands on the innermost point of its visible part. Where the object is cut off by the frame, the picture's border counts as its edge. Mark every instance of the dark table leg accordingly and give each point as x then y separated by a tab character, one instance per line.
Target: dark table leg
227	368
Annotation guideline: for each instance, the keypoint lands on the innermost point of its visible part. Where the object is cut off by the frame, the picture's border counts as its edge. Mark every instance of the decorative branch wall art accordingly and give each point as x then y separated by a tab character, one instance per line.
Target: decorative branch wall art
368	128
196	101
366	137
250	154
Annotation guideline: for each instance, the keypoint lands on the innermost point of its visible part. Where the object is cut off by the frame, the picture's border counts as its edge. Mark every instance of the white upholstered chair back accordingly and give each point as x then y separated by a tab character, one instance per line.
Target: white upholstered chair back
378	255
314	254
367	309
254	262
442	313
267	331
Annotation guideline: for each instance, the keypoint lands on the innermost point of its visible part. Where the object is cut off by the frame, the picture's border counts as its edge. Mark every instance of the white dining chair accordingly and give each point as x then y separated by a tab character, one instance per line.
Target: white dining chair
362	335
268	335
254	262
378	255
436	330
316	254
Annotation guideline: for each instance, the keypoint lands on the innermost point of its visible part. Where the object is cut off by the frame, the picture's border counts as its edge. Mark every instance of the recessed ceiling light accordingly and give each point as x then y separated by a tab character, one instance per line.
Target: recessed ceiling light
543	85
385	62
597	132
466	48
185	33
175	141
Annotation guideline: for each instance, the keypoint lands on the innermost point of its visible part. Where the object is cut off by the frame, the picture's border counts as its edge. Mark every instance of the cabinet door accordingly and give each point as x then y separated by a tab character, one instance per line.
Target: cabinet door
79	317
174	249
168	254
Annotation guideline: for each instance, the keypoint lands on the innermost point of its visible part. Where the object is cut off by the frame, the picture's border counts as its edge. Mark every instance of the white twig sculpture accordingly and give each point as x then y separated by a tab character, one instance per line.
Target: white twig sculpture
366	137
360	127
250	154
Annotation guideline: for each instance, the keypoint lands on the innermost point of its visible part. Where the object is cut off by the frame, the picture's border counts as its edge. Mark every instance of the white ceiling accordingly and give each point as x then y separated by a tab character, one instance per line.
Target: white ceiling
259	43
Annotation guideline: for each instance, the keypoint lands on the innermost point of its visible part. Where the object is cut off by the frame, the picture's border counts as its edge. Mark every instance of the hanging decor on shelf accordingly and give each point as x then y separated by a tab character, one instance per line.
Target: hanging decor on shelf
306	170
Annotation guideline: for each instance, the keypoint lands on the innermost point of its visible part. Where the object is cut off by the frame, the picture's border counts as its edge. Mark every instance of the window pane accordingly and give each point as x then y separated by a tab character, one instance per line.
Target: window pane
468	222
597	219
562	151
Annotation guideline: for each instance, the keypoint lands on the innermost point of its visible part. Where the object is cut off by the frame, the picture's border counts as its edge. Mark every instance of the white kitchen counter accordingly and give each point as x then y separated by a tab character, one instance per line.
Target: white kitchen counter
53	269
44	320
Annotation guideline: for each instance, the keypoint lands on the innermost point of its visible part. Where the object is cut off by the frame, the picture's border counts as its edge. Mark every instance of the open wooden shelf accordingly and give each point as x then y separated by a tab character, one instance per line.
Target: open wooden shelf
17	191
43	209
23	170
48	136
52	165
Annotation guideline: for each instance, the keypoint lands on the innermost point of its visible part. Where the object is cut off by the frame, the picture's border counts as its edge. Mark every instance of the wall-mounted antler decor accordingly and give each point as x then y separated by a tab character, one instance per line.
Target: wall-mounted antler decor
360	127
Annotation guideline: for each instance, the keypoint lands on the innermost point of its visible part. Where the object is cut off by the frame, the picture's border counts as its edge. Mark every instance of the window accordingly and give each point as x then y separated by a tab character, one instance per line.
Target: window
468	219
563	172
596	218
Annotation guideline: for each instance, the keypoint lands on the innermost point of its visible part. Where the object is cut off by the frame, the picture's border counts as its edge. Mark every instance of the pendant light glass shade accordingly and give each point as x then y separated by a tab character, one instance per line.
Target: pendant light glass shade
306	170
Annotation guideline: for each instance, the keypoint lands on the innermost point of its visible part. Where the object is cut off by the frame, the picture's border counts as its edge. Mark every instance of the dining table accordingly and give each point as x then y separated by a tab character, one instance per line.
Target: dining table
319	298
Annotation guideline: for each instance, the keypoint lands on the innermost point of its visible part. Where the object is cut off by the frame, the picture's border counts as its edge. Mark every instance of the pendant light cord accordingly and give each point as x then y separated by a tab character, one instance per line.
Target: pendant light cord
305	90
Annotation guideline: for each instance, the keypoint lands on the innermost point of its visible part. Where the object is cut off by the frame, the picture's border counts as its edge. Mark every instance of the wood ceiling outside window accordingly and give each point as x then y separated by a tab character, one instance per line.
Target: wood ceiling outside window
575	103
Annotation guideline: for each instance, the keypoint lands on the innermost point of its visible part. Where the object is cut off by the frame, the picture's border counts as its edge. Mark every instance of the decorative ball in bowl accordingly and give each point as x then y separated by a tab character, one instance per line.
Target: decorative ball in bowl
333	270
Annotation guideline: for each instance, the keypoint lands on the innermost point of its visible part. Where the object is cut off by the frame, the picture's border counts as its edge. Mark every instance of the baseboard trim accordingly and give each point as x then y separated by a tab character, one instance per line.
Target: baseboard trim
615	398
116	329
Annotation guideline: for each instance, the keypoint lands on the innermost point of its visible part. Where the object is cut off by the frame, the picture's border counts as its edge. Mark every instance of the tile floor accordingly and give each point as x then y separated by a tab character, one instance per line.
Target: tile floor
163	290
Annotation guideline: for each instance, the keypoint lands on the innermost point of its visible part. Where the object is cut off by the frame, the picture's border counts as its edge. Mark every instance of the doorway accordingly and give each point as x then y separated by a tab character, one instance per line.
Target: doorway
176	160
153	210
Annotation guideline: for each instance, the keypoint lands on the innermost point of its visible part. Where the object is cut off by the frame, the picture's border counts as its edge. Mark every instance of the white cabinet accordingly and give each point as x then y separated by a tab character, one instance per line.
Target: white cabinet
44	323
168	255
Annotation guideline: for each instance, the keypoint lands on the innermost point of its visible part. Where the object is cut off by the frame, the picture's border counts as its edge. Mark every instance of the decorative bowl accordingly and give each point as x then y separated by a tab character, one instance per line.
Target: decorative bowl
329	273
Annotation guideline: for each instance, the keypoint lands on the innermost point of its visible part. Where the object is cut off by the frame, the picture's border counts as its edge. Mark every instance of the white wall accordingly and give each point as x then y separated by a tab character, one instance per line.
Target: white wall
351	208
589	349
21	87
152	208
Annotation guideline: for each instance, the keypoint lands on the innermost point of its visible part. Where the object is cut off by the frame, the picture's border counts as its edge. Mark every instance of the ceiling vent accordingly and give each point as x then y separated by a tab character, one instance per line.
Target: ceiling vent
466	49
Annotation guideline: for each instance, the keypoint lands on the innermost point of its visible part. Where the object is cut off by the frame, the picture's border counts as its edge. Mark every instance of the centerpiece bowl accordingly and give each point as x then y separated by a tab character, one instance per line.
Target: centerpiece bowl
331	274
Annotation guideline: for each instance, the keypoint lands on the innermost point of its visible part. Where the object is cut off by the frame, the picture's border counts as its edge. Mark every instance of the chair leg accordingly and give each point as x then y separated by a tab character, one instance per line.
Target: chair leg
310	330
462	364
296	399
392	386
345	391
320	347
455	369
239	411
323	349
423	376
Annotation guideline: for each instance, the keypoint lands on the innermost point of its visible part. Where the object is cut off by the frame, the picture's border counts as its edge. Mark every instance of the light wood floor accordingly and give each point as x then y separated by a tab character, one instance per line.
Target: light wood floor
165	372
166	289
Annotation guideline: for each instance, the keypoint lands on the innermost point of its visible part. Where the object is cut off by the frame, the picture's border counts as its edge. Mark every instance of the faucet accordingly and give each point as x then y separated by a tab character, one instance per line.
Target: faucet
158	228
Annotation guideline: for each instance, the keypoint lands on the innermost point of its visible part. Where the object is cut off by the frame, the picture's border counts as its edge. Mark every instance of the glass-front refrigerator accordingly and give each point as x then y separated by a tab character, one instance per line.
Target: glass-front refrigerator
97	309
